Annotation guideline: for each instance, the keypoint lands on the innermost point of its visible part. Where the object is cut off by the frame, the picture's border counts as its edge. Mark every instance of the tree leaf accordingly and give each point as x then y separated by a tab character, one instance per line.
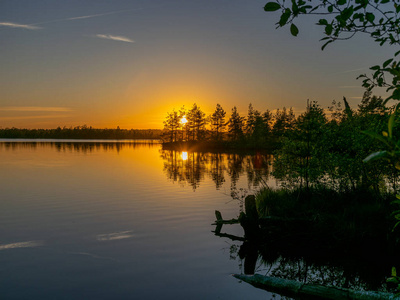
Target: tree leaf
328	29
347	12
370	17
271	6
294	30
322	22
396	94
284	17
386	63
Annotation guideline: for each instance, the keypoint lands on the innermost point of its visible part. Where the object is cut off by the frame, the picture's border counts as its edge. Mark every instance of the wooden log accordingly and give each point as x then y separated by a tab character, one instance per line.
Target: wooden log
218	228
218	215
220	221
292	288
229	236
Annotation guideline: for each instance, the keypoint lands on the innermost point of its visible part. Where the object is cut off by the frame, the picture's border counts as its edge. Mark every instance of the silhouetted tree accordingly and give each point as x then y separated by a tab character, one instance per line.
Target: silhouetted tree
251	120
171	125
217	122
255	127
196	123
283	122
235	125
267	121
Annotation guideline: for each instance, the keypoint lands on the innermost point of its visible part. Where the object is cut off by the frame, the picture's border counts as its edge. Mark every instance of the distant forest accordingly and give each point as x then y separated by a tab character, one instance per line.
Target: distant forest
80	132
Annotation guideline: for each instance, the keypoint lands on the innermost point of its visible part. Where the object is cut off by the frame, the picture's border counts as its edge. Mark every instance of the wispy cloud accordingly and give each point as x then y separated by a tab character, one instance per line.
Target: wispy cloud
33	117
85	17
16	25
34	25
34	108
28	244
114	38
92	255
99	15
115	236
88	16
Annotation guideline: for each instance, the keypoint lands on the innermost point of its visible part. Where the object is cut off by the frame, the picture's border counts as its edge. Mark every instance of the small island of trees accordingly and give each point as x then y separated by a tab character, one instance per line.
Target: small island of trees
273	130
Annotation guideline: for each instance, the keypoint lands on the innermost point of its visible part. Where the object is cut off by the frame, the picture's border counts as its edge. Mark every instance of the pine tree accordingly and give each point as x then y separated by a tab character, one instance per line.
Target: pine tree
235	125
196	123
171	125
217	122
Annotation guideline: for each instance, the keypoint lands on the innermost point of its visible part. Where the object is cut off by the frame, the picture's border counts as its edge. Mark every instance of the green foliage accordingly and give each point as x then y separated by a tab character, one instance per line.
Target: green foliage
342	20
283	123
395	279
391	152
299	158
320	151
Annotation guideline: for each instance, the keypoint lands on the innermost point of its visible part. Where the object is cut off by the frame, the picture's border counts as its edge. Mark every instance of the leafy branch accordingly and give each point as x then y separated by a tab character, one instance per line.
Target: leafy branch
343	19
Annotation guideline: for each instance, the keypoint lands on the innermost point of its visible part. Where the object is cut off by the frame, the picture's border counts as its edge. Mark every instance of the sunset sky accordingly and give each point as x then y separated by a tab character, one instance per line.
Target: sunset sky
108	63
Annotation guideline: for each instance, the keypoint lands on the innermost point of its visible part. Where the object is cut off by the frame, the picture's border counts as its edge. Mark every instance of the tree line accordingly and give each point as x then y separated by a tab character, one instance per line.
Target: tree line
80	132
257	129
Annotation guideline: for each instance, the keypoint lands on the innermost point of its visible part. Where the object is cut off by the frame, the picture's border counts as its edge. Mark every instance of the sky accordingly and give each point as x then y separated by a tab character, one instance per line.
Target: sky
126	63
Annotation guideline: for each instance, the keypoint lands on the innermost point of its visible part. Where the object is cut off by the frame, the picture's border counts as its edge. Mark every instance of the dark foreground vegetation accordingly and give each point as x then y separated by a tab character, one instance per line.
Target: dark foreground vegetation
80	132
320	238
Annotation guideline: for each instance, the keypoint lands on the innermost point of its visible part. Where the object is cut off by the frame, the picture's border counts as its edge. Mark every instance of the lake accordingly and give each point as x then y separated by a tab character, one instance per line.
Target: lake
121	220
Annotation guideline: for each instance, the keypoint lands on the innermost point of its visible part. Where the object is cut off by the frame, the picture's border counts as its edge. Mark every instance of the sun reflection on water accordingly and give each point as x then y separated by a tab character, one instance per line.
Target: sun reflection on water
184	155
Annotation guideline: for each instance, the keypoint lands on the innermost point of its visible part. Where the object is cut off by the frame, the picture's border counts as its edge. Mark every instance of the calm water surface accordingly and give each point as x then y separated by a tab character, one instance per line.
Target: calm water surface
118	221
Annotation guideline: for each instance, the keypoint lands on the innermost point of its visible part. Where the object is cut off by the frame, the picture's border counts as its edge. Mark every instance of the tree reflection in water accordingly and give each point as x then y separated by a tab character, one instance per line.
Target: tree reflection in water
193	167
80	146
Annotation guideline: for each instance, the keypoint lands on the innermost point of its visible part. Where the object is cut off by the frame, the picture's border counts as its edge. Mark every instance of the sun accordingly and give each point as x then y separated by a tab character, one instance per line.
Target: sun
183	120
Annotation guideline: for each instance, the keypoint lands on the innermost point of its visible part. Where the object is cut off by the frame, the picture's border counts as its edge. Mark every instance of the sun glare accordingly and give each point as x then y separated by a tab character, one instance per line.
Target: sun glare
183	120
